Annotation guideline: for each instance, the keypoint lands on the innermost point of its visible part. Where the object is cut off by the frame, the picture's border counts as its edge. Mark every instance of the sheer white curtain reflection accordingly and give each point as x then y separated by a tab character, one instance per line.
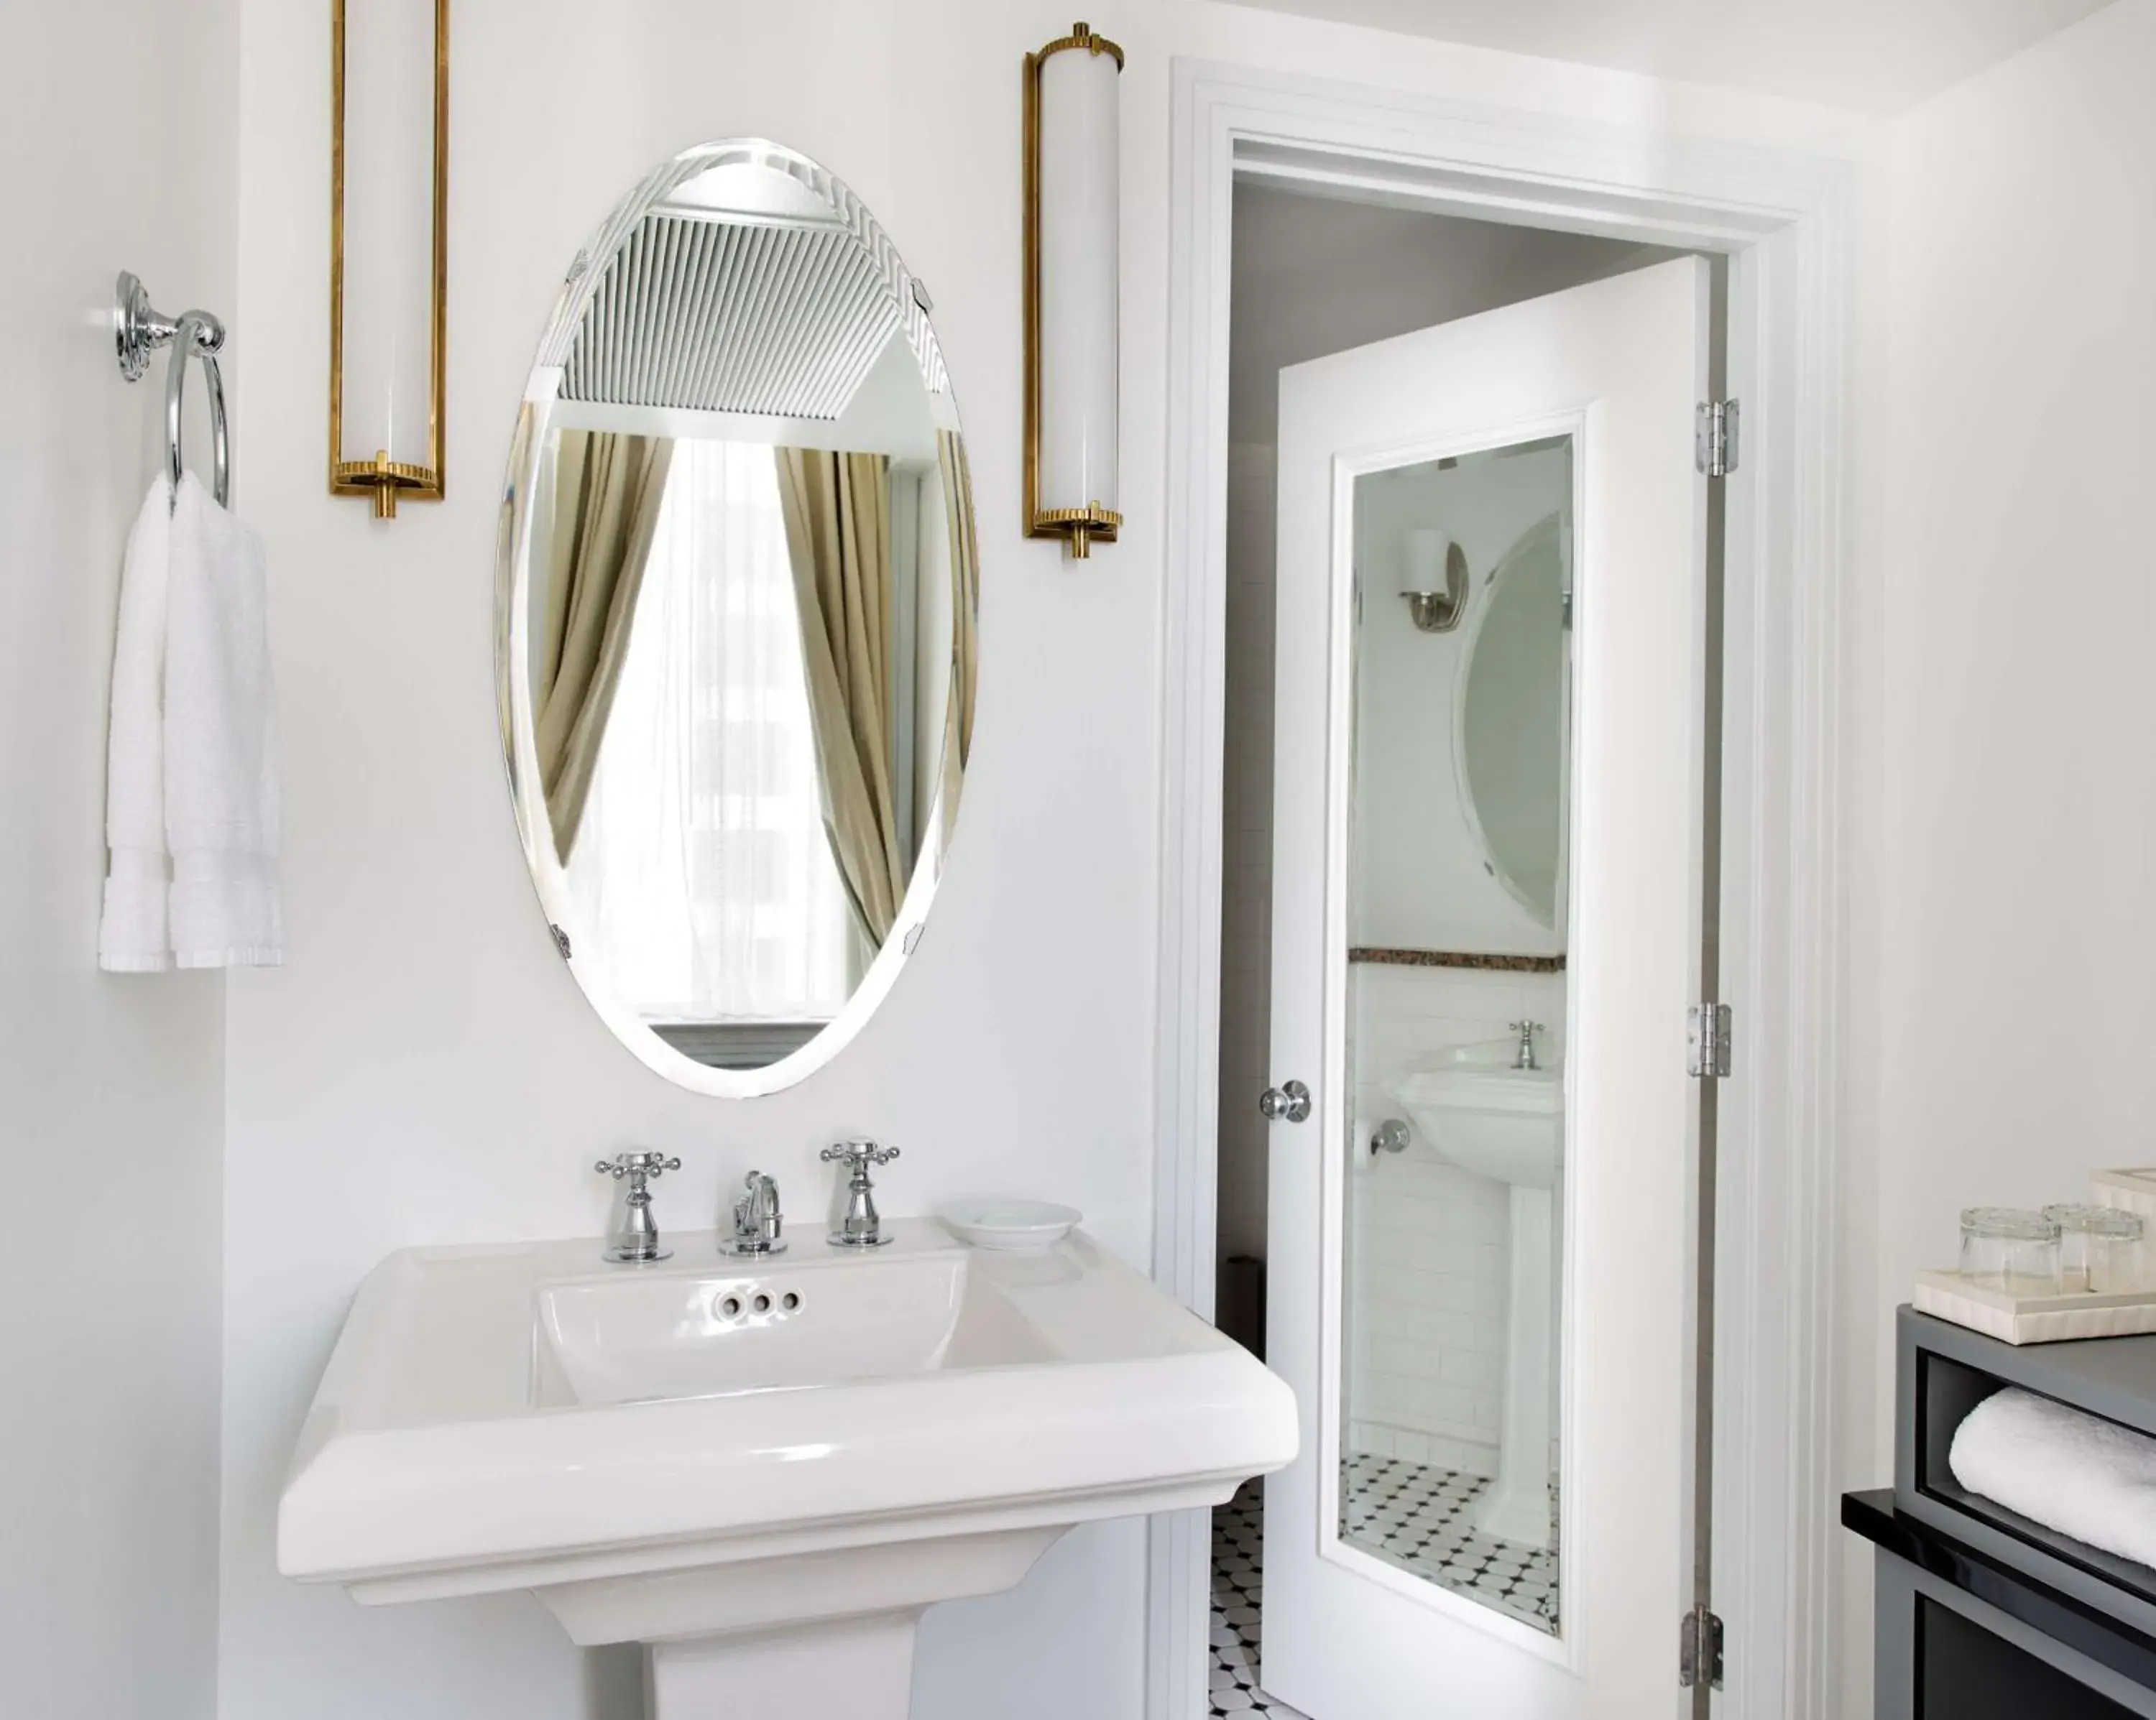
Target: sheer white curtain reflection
702	875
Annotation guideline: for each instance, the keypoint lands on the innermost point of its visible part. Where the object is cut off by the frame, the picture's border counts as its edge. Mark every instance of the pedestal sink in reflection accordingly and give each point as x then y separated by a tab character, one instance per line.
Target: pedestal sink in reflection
765	1471
1508	1124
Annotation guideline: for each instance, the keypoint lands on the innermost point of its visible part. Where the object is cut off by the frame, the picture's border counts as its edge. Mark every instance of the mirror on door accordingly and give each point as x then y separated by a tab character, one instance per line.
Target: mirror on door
1451	1386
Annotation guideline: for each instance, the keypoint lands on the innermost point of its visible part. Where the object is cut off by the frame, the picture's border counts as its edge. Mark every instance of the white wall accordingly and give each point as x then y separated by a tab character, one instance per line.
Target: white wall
2002	713
116	126
425	1070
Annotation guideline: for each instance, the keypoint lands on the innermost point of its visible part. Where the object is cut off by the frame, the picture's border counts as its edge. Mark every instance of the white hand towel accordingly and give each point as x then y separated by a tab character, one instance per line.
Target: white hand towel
192	802
2069	1471
221	789
133	936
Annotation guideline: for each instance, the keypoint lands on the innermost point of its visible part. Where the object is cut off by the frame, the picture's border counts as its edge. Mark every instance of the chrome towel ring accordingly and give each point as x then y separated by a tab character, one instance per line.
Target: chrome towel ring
138	331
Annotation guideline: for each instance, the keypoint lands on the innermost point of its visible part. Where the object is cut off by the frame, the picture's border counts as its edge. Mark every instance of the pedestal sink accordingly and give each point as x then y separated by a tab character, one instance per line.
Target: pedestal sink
764	1472
1508	1124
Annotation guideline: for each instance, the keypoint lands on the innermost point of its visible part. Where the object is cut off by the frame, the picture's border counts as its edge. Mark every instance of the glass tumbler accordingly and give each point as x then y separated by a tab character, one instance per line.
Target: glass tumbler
2007	1248
2100	1247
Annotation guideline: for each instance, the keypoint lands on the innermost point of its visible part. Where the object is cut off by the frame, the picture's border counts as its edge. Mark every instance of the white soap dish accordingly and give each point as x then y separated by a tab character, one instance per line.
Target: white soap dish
2046	1317
1001	1223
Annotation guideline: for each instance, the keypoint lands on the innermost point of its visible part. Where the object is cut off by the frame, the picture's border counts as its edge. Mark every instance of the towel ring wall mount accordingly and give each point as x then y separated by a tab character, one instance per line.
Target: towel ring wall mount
138	329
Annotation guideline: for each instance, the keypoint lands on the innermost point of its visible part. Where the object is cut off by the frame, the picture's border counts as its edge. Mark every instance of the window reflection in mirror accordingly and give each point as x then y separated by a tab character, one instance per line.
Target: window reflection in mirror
741	598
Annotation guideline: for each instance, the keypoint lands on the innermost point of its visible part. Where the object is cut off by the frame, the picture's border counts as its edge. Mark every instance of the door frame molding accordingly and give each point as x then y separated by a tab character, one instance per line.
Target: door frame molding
1785	221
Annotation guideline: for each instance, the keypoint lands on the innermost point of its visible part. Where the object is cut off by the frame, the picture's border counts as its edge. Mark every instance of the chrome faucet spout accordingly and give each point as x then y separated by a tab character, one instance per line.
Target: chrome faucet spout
758	1224
1524	1057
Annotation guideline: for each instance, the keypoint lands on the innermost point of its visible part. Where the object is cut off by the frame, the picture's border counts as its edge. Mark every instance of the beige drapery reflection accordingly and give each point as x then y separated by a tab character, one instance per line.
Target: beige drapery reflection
837	533
965	611
607	488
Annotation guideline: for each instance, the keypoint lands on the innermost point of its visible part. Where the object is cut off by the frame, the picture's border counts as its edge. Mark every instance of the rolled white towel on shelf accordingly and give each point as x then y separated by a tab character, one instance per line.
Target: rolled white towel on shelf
2070	1470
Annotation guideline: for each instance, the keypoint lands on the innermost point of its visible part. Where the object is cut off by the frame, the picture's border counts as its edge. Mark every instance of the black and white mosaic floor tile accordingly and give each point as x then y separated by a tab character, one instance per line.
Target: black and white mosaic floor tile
1407	1513
1239	1549
1417	1518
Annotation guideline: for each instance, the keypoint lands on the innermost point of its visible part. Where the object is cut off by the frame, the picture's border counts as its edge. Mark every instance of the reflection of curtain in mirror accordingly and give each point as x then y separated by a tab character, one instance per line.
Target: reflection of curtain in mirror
607	492
837	528
703	883
965	618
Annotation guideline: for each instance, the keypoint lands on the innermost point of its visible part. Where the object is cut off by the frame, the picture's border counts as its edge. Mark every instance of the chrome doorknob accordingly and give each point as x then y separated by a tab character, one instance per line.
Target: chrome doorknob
1289	1103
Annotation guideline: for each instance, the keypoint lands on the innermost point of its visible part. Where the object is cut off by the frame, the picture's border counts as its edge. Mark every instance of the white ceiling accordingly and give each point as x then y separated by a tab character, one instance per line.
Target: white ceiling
1878	56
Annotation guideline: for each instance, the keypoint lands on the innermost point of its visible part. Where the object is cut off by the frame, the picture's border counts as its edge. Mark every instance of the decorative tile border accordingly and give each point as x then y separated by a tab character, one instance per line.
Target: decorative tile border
1459	958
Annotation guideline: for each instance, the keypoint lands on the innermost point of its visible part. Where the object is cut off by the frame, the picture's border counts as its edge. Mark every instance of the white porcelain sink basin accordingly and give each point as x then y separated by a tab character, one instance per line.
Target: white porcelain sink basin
764	1470
628	1338
1508	1124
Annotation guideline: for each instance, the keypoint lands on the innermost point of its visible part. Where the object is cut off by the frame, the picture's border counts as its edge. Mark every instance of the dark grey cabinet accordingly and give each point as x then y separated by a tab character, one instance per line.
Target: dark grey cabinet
1980	1613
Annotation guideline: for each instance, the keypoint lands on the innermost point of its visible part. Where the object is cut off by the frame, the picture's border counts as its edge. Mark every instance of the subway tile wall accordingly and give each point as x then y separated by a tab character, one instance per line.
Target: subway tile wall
1428	1263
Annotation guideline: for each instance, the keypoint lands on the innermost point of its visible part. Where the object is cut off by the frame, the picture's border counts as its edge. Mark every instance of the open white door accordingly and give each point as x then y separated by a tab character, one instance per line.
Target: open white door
1488	1322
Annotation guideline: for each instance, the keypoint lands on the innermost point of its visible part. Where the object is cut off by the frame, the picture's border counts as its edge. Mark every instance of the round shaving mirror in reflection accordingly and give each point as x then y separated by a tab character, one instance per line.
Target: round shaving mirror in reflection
1509	737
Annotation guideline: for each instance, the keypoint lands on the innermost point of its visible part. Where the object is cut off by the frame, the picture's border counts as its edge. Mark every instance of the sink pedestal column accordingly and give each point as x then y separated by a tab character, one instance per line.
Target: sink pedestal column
1516	1507
816	1634
838	1669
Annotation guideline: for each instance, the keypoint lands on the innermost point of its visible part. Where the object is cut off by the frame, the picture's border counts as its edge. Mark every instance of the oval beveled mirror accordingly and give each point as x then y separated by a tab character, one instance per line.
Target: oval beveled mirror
735	640
1510	729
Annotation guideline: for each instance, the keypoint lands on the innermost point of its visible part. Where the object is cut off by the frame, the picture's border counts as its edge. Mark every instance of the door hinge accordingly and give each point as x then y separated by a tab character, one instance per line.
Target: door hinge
1714	437
1707	1040
1699	1650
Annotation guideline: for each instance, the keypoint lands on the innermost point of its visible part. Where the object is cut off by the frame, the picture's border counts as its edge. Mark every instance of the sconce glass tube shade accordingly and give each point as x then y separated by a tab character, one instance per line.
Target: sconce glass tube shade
1434	579
1072	216
390	96
1422	563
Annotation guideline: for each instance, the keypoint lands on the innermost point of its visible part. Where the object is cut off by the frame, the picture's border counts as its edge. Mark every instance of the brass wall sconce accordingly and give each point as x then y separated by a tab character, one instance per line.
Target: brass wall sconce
389	189
1072	210
1433	579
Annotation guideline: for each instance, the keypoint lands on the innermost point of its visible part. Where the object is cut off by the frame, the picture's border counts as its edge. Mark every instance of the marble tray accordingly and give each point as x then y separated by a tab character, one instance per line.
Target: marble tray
2049	1317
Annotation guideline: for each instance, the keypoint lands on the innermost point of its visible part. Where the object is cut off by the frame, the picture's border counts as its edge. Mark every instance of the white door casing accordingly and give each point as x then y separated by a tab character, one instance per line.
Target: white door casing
1784	219
1619	364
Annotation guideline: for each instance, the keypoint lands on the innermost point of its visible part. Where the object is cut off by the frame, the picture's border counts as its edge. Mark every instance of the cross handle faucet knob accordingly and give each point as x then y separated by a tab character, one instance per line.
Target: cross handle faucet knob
856	1154
860	1226
636	1167
634	1236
